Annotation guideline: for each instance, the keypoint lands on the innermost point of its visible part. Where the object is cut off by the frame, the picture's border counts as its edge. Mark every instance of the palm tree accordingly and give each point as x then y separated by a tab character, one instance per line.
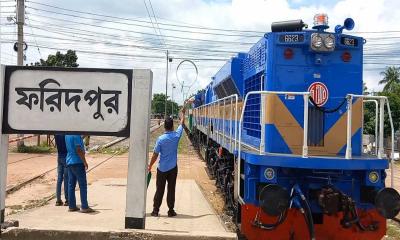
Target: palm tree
391	78
365	89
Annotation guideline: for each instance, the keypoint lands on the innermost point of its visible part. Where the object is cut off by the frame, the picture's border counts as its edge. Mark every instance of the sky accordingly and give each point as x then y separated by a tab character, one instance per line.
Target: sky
137	33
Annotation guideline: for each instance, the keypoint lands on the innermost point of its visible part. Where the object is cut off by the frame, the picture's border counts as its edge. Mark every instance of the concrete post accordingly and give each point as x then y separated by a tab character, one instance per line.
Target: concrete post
3	151
138	149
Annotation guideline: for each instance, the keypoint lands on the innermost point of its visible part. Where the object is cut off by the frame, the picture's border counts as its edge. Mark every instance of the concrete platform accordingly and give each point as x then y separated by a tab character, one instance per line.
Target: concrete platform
196	219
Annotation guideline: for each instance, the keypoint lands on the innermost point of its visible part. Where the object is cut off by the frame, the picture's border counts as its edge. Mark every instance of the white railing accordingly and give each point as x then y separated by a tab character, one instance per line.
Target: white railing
376	122
383	100
350	97
203	119
305	125
262	151
202	114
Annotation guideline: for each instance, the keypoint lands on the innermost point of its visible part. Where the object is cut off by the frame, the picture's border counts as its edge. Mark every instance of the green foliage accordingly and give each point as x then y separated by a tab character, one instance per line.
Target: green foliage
35	149
394	101
391	78
114	150
369	118
59	60
158	105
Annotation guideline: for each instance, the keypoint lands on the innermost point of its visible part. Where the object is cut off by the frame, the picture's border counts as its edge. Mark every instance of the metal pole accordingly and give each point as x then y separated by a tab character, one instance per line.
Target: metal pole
236	119
3	152
305	127
381	127
262	126
392	145
20	44
349	116
262	113
230	126
223	125
166	87
376	126
172	99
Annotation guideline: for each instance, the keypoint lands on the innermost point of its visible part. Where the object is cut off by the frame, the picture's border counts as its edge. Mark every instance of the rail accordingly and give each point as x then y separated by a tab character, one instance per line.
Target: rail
203	119
305	127
383	100
376	122
378	131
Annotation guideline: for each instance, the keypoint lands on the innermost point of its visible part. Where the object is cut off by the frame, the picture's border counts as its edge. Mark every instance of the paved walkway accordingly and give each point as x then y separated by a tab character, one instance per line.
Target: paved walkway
107	197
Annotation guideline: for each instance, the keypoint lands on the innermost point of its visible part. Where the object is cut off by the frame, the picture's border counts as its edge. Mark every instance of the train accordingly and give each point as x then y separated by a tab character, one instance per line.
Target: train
280	128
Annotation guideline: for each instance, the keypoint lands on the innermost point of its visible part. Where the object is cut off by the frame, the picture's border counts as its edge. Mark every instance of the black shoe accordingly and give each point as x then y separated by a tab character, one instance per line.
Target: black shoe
73	209
66	203
154	214
59	203
87	210
171	213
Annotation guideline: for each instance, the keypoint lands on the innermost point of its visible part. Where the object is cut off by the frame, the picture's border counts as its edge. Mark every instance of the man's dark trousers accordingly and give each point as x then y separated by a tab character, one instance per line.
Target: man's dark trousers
162	178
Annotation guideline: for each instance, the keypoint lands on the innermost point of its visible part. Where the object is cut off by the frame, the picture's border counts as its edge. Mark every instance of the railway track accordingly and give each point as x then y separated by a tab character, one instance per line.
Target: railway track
41	175
24	159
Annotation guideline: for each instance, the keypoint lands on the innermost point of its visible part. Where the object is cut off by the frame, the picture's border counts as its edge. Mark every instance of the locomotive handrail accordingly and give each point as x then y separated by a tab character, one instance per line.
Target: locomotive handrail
376	122
305	127
383	100
232	135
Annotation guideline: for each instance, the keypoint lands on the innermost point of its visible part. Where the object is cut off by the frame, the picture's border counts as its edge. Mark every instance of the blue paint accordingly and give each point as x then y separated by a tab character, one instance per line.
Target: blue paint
274	142
266	67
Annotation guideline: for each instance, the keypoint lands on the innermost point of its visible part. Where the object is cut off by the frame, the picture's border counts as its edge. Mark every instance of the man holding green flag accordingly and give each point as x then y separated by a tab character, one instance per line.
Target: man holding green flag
167	148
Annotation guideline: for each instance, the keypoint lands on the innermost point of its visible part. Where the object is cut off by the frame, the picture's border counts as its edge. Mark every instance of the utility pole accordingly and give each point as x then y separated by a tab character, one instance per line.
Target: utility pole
20	44
166	89
172	98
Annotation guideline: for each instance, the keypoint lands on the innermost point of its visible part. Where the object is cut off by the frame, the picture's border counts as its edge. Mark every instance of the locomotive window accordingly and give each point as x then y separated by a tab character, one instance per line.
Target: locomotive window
316	127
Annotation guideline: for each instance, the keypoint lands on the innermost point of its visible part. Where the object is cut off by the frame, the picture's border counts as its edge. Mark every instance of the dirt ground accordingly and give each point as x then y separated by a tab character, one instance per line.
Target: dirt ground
190	164
42	191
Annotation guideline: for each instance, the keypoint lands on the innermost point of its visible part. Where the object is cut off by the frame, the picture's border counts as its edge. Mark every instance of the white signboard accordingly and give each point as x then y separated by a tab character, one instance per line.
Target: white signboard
74	100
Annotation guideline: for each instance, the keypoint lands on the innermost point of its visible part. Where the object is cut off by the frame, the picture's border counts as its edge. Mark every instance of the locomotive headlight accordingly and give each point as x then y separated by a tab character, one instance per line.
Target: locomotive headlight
316	41
329	42
373	177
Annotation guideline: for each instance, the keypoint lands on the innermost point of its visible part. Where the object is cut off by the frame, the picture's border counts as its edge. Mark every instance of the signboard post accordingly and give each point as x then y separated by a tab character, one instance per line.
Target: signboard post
82	101
3	151
138	150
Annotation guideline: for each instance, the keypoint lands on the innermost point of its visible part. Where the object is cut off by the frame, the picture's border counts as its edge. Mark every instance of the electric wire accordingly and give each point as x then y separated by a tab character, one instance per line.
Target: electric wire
151	20
137	20
146	33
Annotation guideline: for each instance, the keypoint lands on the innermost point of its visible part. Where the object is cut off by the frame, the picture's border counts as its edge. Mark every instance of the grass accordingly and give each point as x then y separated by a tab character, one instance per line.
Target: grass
153	137
114	150
35	149
183	143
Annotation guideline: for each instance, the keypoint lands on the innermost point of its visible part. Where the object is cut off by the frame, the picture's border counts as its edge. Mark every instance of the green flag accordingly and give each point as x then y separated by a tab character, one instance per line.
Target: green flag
148	179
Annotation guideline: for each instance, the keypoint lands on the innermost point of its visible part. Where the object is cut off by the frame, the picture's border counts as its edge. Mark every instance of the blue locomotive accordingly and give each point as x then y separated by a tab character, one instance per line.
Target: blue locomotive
280	128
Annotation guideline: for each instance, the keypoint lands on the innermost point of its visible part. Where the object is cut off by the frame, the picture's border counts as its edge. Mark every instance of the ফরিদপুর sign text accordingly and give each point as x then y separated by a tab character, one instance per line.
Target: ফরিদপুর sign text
73	100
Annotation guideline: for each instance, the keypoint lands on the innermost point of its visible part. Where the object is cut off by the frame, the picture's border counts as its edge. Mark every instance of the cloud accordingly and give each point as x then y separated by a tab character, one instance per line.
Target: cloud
257	15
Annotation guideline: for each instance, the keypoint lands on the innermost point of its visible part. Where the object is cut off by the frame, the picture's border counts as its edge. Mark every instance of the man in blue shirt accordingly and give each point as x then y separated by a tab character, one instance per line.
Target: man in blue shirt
62	171
77	167
167	148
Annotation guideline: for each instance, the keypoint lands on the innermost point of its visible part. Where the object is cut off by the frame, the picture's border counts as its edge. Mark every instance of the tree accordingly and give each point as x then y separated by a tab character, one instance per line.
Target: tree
59	60
369	111
158	105
369	114
391	78
394	101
